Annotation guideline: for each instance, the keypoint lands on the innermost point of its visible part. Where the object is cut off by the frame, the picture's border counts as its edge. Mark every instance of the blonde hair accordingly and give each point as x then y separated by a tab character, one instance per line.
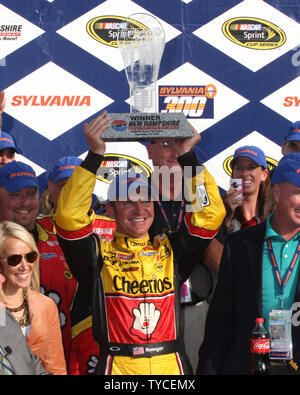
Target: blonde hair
46	204
10	229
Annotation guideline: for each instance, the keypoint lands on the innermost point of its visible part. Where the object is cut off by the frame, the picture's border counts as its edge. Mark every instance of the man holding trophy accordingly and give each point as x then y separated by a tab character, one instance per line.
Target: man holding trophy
132	284
142	52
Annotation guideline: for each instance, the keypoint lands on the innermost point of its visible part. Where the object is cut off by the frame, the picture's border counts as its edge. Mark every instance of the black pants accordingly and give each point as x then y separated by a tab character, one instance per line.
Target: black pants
282	368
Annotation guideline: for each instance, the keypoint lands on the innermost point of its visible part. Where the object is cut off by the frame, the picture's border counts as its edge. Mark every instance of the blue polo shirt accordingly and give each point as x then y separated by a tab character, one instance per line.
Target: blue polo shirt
284	252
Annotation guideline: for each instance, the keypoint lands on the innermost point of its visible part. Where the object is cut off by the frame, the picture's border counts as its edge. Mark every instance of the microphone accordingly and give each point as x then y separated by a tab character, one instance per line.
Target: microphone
8	351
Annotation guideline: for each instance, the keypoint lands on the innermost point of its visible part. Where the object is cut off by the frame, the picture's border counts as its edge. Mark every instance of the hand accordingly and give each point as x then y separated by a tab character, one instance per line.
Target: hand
231	203
182	146
145	321
94	130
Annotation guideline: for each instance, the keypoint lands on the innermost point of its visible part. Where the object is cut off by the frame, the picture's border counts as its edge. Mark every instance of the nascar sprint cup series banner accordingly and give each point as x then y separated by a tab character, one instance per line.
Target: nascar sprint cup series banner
231	67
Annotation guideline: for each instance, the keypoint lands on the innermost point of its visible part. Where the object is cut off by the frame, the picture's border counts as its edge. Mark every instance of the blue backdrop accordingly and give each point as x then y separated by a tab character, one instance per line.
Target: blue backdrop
52	45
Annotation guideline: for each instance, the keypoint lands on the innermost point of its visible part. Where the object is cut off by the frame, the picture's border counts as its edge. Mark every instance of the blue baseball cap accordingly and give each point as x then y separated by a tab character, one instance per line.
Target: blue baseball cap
63	168
288	169
7	141
293	132
252	152
15	176
126	184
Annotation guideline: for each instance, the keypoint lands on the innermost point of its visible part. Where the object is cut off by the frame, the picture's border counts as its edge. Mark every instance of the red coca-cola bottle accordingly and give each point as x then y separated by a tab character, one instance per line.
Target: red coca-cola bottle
260	348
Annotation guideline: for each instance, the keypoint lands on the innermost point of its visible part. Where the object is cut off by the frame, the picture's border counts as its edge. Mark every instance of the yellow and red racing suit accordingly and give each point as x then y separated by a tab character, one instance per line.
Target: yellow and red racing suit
132	285
56	279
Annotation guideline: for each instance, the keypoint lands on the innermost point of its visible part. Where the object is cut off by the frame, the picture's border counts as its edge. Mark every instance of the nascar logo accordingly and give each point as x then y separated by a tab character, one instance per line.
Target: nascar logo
193	101
254	33
120	164
107	29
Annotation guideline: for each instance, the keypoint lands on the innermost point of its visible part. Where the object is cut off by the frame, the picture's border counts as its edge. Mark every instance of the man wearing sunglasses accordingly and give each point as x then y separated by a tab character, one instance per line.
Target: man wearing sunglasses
170	158
131	284
16	357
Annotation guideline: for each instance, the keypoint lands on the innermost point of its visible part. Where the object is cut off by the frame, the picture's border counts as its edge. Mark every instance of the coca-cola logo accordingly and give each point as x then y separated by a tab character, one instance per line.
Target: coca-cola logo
261	346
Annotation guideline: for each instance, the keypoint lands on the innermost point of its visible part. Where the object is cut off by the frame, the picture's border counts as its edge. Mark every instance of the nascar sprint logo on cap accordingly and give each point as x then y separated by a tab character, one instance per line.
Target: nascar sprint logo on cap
118	164
254	33
193	101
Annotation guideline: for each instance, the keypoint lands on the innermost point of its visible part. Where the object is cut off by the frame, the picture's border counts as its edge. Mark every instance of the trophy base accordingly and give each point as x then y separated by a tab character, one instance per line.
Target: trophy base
147	127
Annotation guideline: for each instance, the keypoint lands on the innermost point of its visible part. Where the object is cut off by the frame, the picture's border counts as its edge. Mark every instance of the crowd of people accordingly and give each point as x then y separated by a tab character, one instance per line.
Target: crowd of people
166	282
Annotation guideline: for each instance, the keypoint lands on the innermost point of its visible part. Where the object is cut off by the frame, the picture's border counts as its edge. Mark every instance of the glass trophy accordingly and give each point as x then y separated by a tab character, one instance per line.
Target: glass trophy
141	41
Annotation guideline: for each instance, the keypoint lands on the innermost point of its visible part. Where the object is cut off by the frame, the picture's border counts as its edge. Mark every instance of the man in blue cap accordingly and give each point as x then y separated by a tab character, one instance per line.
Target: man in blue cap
58	281
291	142
19	194
259	273
170	206
131	283
59	175
8	148
79	343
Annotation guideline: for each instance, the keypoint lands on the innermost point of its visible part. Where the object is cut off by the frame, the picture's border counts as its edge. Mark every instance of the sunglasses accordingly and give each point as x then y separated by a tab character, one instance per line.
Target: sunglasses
14	260
164	144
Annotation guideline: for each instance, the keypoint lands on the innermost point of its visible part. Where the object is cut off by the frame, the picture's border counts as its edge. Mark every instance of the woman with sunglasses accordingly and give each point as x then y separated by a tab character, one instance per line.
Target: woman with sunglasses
36	313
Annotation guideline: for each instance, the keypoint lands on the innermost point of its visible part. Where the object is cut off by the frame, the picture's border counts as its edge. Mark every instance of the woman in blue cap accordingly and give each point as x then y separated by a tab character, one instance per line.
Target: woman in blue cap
253	204
246	207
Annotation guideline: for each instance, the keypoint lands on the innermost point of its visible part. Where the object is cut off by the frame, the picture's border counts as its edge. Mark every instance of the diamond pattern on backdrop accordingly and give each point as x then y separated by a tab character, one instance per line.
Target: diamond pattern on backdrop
70	98
189	75
15	32
107	54
251	57
57	76
286	100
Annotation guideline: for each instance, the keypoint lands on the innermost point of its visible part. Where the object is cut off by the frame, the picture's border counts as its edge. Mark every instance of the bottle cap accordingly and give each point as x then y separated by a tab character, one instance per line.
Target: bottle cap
259	320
